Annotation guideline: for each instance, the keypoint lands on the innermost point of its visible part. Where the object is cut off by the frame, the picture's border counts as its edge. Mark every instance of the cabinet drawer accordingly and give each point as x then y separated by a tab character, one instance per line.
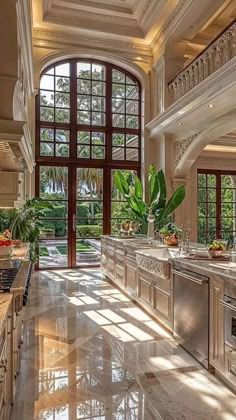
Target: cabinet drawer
163	304
131	278
230	364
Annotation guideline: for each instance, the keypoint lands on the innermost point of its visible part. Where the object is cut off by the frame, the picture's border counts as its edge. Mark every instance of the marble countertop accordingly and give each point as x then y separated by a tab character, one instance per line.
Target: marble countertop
5	301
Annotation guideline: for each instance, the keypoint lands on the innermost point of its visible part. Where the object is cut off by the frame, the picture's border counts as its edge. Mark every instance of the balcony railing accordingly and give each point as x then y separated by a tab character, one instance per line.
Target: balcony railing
221	50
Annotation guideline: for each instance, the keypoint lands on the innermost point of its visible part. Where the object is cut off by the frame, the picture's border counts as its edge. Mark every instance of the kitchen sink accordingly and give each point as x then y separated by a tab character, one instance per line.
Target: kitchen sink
160	253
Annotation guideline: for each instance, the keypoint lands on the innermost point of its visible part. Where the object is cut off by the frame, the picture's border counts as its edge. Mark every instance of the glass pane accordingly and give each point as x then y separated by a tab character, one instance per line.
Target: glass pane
46	149
62	136
132	154
118	153
89	183
118	76
121	210
98	138
98	103
118	139
62	100
98	118
129	176
84	70
98	152
132	107
84	86
89	210
211	210
83	117
83	137
201	180
51	254
62	150
87	252
91	230
118	91
118	105
211	181
51	71
130	81
59	210
83	152
62	115
211	195
62	84
46	134
132	121
53	181
47	82
118	120
228	195
46	98
202	209
51	229
202	195
98	72
98	88
63	70
84	102
132	140
46	114
132	92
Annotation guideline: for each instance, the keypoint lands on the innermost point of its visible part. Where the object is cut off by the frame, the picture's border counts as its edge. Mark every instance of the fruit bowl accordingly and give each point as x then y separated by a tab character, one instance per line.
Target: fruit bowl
215	253
5	251
171	241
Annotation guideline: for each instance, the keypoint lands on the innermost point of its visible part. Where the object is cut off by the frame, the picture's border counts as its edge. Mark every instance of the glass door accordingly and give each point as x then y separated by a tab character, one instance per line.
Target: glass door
53	239
88	218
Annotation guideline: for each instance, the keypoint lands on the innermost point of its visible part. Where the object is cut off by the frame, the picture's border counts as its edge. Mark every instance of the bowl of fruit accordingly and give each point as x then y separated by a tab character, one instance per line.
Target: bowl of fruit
170	234
7	244
216	249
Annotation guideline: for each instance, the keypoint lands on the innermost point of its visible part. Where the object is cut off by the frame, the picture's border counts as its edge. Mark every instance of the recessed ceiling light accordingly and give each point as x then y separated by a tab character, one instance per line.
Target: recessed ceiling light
211	106
180	123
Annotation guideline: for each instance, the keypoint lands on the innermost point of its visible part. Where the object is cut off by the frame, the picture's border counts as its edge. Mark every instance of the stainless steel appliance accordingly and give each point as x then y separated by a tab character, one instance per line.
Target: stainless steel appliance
191	303
229	304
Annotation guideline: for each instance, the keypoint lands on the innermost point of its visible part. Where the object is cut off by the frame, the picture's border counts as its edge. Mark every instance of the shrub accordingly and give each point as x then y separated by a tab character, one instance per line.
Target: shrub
89	231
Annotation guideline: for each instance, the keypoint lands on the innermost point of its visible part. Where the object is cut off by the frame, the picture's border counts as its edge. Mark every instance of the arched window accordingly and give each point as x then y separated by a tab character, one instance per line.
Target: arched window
88	124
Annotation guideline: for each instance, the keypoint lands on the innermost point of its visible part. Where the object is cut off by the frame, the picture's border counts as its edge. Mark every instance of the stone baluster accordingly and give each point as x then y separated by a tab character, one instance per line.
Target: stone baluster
187	81
183	85
217	58
233	41
196	73
175	88
200	69
226	54
211	60
205	66
191	77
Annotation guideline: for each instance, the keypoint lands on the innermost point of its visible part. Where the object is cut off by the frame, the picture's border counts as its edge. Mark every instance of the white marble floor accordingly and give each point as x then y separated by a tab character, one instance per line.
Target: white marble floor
90	353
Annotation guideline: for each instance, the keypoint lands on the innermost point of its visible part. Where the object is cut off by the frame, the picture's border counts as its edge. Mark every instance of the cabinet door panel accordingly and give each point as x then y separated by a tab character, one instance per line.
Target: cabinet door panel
216	325
145	288
163	304
131	278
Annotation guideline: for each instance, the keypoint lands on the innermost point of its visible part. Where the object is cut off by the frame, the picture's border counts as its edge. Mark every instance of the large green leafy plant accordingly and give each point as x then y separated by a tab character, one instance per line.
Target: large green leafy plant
157	203
24	223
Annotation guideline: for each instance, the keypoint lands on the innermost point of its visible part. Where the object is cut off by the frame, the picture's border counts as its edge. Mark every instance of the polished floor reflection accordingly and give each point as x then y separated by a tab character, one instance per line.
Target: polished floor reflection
90	353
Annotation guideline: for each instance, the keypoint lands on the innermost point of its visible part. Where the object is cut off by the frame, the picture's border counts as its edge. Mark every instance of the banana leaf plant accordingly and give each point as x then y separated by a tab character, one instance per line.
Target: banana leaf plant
157	203
25	224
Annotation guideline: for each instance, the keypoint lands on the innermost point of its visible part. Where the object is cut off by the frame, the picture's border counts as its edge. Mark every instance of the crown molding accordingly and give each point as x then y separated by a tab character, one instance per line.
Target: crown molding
67	38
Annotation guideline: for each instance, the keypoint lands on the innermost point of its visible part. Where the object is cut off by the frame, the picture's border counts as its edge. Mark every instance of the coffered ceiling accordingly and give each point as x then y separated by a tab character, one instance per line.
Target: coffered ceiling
124	17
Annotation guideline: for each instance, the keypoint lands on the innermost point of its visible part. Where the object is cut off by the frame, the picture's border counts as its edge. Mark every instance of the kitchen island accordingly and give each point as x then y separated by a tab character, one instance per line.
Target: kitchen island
147	274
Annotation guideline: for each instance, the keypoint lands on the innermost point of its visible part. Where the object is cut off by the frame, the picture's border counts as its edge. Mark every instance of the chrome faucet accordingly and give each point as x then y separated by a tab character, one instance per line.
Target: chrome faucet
186	242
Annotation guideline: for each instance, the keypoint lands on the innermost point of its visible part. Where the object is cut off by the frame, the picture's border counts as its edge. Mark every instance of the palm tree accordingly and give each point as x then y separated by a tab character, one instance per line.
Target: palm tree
90	181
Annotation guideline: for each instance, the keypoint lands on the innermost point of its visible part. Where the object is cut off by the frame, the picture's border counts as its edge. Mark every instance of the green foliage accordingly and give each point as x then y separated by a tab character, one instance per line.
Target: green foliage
88	231
25	224
170	228
157	197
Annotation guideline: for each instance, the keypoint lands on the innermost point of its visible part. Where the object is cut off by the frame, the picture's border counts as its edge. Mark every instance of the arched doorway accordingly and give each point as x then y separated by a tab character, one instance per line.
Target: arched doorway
88	124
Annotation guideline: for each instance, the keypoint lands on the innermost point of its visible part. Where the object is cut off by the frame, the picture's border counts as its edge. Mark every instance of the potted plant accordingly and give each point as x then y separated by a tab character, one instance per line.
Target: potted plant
157	204
25	224
170	234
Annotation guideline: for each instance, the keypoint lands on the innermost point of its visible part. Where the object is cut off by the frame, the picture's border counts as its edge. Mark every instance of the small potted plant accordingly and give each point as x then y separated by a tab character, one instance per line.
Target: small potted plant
216	249
170	234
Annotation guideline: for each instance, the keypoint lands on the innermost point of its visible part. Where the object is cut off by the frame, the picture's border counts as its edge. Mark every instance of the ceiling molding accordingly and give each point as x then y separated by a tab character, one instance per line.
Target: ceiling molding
69	38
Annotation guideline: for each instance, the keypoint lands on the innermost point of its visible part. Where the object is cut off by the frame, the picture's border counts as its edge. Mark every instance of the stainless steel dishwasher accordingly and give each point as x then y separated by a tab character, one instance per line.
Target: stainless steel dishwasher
191	304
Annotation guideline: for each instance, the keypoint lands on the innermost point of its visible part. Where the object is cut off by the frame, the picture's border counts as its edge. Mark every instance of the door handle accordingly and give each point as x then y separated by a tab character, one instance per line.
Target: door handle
74	223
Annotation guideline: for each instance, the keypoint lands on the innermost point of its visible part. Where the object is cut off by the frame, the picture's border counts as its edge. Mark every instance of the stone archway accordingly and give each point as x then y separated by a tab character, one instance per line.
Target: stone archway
192	148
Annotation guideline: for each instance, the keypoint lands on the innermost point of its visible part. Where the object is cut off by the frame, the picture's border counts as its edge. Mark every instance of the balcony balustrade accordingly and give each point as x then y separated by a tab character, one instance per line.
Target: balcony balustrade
220	51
